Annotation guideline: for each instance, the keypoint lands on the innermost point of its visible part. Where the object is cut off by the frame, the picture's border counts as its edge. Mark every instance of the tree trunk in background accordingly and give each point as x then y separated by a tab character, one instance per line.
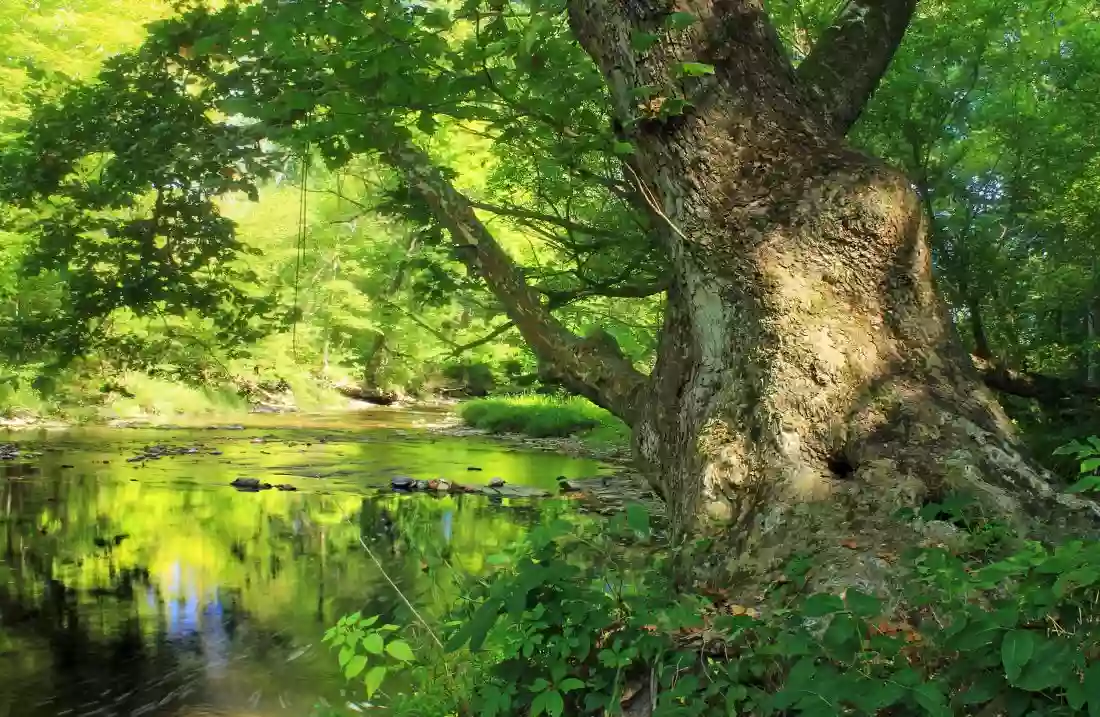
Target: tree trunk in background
808	381
374	356
1090	349
373	360
977	329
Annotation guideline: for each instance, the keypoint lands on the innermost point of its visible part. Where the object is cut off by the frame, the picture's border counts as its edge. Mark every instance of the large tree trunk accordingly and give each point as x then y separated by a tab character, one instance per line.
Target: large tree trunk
808	383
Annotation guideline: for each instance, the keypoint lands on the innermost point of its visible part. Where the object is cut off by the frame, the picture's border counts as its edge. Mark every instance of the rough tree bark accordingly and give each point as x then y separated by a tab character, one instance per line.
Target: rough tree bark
808	382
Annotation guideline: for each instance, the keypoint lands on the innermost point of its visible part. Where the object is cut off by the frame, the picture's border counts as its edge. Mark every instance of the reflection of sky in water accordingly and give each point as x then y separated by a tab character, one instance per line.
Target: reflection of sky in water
215	640
182	613
191	617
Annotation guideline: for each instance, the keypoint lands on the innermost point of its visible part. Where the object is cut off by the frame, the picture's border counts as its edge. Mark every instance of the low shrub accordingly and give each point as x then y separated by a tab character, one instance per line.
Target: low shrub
575	628
543	417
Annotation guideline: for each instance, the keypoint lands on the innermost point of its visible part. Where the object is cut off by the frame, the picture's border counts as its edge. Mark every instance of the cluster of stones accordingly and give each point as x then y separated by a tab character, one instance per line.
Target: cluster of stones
153	453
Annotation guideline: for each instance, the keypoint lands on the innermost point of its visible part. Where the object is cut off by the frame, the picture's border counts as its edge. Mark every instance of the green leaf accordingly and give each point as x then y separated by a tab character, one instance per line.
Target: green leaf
498	559
642	41
373	643
1076	579
1016	649
400	650
356	665
1071	448
623	148
204	46
1050	661
976	634
438	19
1088	483
983	690
930	697
1092	689
539	685
821	604
674	107
1075	692
549	703
695	69
426	123
862	604
569	684
1089	465
842	638
345	655
374	678
680	20
368	621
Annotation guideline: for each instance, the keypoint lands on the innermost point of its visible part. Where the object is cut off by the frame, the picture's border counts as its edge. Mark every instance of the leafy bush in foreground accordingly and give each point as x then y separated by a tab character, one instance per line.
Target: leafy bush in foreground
571	629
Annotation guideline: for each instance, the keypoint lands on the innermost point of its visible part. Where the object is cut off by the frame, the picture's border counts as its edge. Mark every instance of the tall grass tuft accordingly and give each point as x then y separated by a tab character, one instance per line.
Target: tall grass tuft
544	417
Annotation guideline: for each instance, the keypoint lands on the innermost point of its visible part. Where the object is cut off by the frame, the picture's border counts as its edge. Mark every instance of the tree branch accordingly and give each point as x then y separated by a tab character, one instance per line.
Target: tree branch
1050	391
498	331
558	299
592	369
521	213
851	56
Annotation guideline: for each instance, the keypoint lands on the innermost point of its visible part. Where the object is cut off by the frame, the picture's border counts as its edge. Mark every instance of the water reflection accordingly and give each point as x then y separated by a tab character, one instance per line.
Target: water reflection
154	588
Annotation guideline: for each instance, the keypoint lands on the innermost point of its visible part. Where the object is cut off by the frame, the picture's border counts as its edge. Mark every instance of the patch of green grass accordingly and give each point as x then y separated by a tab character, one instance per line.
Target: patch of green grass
545	417
154	396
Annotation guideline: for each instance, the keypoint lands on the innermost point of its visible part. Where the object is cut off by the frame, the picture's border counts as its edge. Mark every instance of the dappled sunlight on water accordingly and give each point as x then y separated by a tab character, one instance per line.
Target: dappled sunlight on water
153	587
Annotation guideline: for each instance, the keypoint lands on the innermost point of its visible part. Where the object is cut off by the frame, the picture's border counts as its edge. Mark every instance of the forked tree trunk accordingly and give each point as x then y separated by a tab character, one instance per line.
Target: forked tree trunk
806	356
808	382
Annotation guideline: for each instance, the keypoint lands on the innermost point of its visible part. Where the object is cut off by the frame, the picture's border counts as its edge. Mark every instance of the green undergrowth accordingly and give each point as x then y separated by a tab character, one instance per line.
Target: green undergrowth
138	395
567	624
545	417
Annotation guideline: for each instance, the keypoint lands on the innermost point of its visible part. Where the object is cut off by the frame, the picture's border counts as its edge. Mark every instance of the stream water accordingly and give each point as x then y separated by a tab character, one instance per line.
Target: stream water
152	587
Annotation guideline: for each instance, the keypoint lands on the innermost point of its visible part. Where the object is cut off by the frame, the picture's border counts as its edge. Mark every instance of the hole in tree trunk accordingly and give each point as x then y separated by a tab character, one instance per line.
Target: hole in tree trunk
840	466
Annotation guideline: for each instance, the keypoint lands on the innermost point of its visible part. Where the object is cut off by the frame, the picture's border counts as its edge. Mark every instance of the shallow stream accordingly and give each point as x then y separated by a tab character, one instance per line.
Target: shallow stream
152	587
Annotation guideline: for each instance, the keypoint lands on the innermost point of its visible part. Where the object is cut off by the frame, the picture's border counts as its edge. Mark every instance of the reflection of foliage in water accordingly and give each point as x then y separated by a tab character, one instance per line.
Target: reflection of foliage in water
165	569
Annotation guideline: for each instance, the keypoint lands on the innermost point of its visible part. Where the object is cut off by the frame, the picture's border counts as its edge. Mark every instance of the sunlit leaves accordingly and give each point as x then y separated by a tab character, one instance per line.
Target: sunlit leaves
374	678
400	650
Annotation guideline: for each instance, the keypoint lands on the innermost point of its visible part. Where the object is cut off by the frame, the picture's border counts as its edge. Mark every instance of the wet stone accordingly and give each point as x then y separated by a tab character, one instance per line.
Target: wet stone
250	485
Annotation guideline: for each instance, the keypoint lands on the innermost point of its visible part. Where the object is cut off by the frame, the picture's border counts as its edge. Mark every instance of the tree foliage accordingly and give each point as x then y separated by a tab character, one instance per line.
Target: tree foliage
120	188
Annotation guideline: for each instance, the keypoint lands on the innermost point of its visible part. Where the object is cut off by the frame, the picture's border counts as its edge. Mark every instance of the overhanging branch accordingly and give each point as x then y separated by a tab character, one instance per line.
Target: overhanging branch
845	65
604	376
498	331
1050	391
521	213
558	299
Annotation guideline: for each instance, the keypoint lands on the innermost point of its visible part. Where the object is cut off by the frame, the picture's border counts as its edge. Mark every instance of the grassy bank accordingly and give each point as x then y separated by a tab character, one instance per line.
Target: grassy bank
545	417
135	395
